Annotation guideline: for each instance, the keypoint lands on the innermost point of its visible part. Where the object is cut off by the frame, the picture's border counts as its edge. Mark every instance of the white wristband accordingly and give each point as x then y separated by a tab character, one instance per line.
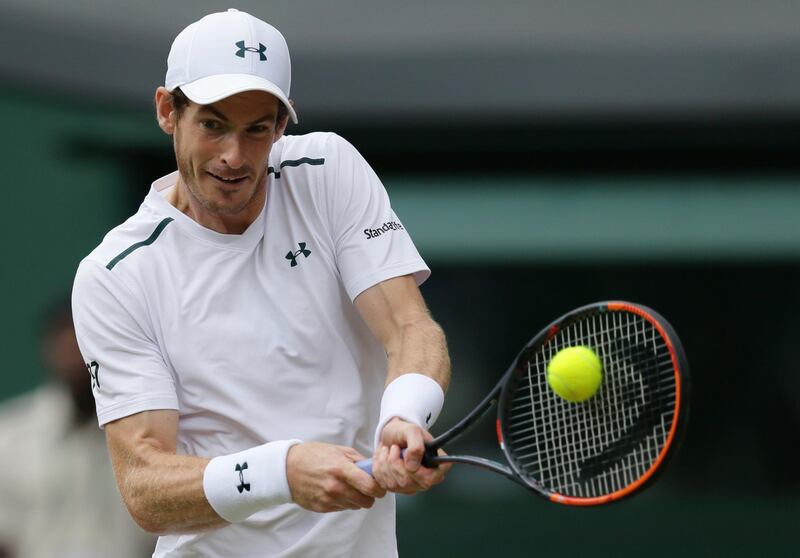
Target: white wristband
240	484
412	397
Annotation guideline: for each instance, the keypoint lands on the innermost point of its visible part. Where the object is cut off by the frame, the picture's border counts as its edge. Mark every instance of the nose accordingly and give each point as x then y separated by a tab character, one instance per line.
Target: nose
233	151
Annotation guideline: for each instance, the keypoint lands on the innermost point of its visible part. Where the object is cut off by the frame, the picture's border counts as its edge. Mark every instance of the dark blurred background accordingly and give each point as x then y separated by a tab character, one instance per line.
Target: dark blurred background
543	155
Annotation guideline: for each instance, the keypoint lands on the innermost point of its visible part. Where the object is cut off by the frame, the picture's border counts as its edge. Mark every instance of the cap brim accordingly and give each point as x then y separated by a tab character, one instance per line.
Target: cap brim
211	89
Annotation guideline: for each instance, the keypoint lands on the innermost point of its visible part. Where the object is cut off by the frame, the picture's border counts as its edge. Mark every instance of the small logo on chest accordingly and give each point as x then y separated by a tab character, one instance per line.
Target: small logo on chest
292	256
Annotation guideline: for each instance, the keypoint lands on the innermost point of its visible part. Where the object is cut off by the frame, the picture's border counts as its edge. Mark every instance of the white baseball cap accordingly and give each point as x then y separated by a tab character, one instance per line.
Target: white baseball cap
226	53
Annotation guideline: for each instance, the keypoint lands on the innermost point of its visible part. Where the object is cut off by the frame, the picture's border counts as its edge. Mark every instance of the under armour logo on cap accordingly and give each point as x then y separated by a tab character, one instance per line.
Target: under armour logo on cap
260	50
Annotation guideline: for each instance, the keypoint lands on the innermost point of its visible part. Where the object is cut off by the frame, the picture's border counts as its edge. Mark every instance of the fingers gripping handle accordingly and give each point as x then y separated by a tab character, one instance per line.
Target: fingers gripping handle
366	464
428	460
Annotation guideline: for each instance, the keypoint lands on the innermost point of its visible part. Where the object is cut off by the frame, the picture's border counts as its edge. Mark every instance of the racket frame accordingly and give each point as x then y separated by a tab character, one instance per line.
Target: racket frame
500	393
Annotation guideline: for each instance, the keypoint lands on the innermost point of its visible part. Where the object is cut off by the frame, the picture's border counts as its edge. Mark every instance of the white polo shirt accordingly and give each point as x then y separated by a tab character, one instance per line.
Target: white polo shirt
254	337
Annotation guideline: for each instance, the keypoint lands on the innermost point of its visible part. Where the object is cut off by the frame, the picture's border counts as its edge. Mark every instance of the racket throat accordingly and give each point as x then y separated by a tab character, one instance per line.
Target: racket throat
479	462
430	458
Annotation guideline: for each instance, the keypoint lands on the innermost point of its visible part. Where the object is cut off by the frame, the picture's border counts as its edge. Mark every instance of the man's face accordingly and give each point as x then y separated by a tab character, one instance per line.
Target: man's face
223	149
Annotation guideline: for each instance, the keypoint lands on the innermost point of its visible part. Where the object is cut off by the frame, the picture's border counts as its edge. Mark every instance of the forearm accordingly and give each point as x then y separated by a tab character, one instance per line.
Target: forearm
418	363
410	405
164	492
421	347
418	375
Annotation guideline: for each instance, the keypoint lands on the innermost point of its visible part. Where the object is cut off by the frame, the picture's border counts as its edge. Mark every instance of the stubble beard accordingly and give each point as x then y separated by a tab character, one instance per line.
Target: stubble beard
185	170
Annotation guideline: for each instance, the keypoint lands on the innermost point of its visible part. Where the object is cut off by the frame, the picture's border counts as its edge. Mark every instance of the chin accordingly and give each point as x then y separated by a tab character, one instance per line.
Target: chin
230	204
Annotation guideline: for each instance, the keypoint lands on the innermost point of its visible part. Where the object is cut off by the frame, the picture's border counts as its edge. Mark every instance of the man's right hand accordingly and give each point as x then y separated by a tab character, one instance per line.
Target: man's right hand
324	478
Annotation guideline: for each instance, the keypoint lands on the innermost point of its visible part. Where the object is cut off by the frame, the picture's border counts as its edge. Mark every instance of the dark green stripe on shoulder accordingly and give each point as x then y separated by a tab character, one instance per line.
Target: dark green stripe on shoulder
295	163
303	161
147	242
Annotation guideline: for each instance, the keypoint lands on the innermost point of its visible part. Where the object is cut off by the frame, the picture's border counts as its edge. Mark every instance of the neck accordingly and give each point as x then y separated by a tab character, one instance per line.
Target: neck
223	223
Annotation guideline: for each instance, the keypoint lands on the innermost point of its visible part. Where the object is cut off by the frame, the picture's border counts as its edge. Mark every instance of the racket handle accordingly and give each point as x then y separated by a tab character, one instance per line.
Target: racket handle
366	464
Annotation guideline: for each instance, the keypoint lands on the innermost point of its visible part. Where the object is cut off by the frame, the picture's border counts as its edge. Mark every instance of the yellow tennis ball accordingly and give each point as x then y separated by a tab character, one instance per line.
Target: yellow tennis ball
575	373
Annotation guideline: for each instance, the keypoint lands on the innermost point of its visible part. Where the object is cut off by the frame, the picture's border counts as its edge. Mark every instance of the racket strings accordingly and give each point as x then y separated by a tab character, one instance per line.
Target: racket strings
600	446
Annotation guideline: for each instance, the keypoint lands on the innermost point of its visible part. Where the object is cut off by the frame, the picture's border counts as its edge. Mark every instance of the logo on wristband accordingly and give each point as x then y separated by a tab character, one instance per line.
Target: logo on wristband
242	485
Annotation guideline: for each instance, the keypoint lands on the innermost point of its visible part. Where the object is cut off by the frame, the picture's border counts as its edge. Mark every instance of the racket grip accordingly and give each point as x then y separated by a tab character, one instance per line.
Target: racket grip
366	464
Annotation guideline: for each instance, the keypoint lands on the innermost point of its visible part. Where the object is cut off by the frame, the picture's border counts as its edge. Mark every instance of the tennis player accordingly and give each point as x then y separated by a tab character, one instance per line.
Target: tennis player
256	327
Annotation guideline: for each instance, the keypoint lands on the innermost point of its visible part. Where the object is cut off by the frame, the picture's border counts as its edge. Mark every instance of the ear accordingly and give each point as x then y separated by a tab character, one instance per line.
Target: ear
281	128
165	111
282	124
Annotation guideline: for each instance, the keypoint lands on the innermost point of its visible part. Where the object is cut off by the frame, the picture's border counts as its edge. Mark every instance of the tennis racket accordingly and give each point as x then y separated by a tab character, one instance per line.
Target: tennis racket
600	450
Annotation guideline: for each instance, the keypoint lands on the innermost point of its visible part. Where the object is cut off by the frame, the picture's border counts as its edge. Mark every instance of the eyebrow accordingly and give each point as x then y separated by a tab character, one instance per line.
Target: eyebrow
219	114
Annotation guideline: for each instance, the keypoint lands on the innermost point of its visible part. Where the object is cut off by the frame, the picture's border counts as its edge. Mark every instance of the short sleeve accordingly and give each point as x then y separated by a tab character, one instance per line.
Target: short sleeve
127	369
370	241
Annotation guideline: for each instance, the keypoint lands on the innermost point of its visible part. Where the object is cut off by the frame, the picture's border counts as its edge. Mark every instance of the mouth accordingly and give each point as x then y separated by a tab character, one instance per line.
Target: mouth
229	180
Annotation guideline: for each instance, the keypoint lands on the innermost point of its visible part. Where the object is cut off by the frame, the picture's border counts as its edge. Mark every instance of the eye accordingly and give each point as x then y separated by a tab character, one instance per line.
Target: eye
211	125
258	129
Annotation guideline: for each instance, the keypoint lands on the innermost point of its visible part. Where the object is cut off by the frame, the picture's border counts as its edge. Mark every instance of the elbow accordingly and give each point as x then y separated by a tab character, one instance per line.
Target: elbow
157	517
147	512
144	517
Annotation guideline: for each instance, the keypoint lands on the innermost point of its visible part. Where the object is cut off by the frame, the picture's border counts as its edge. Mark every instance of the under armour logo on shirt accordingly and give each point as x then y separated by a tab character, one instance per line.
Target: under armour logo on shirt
260	50
292	256
94	368
242	485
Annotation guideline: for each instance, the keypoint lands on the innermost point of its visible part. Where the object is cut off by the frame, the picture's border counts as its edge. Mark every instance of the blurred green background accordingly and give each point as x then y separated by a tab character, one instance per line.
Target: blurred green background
655	162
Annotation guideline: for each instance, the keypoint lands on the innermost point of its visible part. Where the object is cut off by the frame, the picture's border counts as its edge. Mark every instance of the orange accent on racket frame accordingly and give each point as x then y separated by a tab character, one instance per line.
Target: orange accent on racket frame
560	498
500	434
